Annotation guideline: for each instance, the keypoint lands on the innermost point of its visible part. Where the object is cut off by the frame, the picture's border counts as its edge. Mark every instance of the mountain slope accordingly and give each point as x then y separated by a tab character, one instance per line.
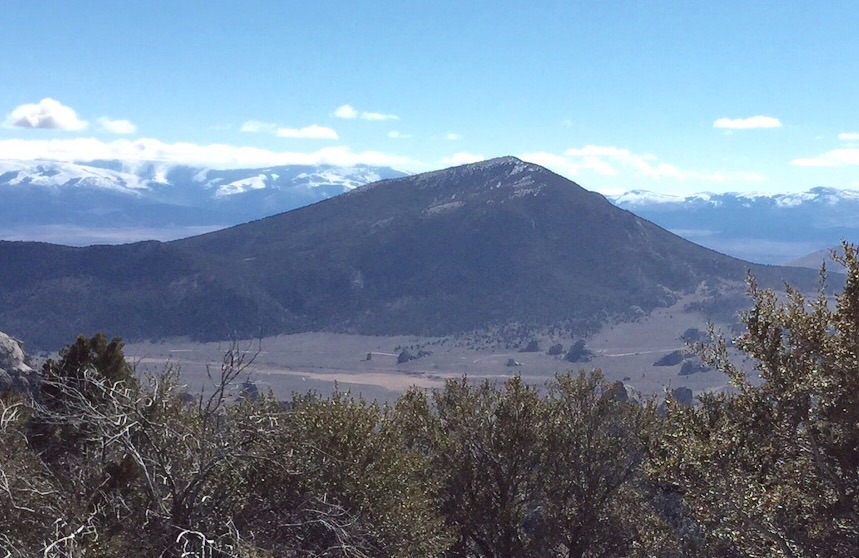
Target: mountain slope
476	245
464	247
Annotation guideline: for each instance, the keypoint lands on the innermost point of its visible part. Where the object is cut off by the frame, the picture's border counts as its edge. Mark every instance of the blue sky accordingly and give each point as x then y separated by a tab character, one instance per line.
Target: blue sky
675	97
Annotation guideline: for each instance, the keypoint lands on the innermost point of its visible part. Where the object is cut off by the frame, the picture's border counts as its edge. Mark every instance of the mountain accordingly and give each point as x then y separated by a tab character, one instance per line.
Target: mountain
111	202
818	258
463	248
114	201
773	228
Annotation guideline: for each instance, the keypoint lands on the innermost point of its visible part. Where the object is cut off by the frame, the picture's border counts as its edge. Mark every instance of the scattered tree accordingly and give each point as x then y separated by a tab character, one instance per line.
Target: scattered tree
578	352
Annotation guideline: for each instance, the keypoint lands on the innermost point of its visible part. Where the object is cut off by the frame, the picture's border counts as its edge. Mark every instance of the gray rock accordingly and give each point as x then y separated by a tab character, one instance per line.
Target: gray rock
671	359
693	366
683	396
15	373
618	391
12	357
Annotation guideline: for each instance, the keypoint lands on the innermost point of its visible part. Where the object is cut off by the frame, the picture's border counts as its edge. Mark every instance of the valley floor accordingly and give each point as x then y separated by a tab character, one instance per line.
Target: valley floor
318	362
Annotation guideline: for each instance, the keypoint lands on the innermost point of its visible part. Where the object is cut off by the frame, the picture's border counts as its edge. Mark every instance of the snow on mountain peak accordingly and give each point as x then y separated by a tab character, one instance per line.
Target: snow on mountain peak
638	197
257	182
55	174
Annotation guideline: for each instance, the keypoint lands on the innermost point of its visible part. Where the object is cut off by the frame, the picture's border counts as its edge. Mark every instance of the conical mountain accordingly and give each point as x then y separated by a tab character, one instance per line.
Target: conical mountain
435	253
491	242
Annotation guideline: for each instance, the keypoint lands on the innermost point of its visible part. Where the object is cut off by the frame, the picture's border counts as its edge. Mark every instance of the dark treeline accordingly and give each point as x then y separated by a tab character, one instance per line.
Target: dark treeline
101	462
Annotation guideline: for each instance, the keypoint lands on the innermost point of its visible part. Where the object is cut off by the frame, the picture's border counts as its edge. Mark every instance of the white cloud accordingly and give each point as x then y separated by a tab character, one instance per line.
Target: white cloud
255	127
378	116
47	114
314	131
610	161
558	163
451	136
395	134
117	126
214	155
848	136
593	157
847	157
348	112
462	158
747	123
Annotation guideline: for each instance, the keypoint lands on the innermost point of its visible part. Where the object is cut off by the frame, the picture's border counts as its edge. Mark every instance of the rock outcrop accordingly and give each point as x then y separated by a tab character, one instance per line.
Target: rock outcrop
671	359
15	373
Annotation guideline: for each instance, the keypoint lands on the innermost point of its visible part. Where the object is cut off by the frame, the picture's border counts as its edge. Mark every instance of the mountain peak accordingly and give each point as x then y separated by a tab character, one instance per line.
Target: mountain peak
514	164
485	182
499	161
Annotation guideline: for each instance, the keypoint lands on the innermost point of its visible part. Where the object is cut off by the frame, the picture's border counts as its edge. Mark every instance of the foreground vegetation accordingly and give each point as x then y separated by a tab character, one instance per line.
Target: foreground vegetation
103	463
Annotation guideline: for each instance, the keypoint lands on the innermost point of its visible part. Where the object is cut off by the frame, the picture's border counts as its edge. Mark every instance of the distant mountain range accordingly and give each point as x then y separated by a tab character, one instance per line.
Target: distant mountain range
110	202
480	245
113	201
772	228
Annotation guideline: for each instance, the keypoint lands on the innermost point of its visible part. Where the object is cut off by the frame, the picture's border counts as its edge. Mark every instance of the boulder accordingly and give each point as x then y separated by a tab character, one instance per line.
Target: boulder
691	335
532	347
683	396
671	359
15	373
617	391
693	366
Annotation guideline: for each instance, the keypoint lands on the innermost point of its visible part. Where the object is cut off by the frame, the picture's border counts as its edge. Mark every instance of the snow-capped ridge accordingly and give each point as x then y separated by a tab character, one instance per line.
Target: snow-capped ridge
819	194
109	201
56	175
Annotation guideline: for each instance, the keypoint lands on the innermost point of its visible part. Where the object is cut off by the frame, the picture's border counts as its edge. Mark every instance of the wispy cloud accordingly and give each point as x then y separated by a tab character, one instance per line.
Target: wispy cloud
314	131
378	116
558	163
348	112
213	155
256	126
848	136
452	136
46	114
611	161
120	127
847	157
396	134
750	123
